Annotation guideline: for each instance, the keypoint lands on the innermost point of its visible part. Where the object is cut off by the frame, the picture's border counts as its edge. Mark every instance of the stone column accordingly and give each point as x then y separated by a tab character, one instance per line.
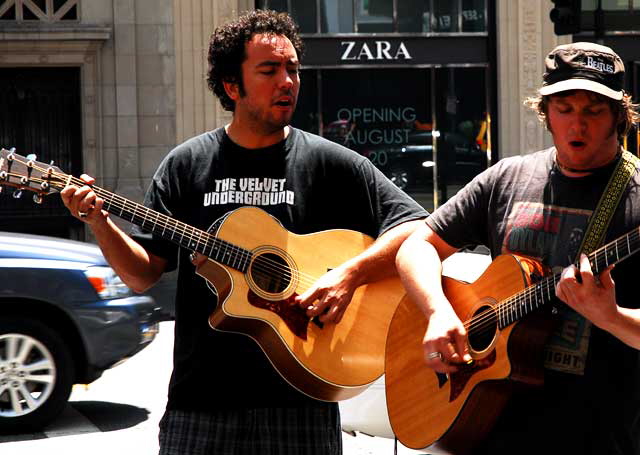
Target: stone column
525	35
127	182
197	109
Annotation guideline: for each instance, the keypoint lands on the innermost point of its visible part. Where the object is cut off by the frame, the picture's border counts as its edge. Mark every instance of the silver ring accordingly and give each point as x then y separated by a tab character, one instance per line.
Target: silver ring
82	214
192	256
434	355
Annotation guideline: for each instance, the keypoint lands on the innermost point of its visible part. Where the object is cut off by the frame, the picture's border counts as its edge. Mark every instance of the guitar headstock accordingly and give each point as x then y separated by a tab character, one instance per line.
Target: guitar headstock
30	175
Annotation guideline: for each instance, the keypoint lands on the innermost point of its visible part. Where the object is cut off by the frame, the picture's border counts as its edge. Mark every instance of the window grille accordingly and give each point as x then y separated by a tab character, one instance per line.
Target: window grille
48	11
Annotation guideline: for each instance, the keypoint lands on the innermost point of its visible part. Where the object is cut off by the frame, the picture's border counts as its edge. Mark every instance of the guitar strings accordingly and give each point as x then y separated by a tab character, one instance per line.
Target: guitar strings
261	264
116	201
485	322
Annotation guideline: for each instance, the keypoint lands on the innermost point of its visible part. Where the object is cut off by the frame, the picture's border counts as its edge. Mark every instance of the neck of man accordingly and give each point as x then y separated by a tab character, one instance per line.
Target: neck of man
250	138
582	172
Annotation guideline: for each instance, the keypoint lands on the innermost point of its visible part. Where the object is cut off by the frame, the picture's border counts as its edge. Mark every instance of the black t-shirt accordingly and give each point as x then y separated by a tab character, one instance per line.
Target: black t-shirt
309	184
526	206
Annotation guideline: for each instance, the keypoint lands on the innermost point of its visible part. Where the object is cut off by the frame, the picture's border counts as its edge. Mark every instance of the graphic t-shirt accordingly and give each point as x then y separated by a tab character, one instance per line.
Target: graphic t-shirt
532	229
526	206
309	184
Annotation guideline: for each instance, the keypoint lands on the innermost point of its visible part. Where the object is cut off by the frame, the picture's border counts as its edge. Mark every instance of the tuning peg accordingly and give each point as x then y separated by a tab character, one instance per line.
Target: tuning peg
37	198
31	157
17	194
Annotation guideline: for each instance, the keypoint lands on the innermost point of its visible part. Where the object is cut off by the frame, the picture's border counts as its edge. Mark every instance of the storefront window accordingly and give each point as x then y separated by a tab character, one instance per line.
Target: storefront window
462	123
374	16
392	128
445	16
473	16
610	5
378	16
307	114
615	4
336	16
303	11
414	16
395	128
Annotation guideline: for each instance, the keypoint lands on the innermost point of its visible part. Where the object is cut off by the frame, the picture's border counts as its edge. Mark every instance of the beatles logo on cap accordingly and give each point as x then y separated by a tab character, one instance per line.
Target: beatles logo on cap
599	65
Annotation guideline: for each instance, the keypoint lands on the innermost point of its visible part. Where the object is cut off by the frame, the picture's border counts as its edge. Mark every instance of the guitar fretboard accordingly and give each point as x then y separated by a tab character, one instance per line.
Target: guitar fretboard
176	231
535	296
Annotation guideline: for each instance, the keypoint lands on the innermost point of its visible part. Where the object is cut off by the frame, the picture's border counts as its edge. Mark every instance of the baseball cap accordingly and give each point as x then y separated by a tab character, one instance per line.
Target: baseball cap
584	66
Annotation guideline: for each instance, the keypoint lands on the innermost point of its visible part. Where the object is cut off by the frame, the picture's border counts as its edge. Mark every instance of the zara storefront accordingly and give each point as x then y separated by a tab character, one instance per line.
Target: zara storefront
408	84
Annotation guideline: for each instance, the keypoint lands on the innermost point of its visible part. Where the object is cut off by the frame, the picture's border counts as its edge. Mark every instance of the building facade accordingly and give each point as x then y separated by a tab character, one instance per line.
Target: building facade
430	90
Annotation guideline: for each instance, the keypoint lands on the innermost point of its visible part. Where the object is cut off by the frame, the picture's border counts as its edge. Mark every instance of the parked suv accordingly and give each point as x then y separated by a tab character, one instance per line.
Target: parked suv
65	317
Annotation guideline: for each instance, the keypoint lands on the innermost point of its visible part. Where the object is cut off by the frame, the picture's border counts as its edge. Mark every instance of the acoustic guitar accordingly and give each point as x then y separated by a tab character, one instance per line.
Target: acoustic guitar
452	413
257	268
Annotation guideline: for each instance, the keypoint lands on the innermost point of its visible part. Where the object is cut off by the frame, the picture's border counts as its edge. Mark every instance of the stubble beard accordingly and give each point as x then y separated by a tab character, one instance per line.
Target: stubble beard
265	123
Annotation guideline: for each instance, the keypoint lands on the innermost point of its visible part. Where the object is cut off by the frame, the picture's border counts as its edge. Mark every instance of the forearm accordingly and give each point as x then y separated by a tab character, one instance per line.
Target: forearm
625	326
419	263
329	296
420	269
596	300
136	267
378	261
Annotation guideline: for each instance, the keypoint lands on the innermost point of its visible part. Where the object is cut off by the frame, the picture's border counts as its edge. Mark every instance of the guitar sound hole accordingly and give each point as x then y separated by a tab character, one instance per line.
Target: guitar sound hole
482	328
270	273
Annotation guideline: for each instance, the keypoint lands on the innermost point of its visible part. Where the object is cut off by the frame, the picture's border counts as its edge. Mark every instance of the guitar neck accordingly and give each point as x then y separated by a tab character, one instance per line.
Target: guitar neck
175	231
539	294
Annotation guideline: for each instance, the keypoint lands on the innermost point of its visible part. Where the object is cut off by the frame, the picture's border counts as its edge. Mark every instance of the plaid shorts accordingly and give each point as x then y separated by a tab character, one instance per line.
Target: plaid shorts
276	431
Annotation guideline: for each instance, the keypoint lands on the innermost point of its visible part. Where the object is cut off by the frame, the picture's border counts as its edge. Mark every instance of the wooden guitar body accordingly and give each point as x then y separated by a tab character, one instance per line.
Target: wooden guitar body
328	362
257	268
457	410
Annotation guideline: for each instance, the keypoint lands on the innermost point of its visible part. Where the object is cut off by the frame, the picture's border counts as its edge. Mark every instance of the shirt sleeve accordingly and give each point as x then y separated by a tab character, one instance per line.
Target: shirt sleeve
462	221
392	205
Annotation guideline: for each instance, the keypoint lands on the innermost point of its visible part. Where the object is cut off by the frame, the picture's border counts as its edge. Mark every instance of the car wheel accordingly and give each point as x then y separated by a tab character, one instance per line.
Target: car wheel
36	374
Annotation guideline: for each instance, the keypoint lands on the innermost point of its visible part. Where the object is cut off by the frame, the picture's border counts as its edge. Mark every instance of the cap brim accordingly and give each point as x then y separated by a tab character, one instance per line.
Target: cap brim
580	84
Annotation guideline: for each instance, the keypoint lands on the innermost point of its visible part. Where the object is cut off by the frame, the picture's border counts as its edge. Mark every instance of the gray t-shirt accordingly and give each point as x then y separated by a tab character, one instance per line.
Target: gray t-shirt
525	206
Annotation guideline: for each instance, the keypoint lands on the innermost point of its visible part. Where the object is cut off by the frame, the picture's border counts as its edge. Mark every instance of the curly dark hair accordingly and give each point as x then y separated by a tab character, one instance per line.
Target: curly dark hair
227	47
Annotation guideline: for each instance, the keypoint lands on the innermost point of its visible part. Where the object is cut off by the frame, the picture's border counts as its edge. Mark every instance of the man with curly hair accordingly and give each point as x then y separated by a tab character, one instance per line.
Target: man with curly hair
539	206
224	396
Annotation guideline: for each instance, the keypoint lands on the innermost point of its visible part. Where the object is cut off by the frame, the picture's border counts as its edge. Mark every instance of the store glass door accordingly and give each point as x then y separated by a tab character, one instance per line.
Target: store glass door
424	128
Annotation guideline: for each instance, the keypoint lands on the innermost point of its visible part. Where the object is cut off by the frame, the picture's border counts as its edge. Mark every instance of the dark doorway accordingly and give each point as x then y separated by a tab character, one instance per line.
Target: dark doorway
40	114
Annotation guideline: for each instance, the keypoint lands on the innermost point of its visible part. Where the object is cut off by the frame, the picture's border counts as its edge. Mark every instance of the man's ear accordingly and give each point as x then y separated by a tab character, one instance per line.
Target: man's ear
232	89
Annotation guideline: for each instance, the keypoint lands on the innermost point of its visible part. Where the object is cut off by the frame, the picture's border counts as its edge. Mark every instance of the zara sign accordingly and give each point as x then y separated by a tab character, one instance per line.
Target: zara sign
376	50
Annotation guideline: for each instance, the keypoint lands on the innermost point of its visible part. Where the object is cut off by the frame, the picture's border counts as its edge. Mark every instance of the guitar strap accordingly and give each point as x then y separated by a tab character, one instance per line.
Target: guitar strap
601	217
570	357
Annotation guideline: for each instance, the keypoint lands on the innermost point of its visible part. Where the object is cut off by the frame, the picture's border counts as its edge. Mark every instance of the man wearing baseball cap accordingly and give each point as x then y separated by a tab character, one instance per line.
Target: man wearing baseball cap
539	206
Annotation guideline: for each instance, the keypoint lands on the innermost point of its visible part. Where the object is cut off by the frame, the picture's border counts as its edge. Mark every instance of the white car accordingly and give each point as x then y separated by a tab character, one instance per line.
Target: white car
367	412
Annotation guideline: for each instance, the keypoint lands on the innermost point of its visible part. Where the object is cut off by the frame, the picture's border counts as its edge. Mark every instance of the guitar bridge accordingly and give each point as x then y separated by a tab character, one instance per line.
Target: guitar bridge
293	315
